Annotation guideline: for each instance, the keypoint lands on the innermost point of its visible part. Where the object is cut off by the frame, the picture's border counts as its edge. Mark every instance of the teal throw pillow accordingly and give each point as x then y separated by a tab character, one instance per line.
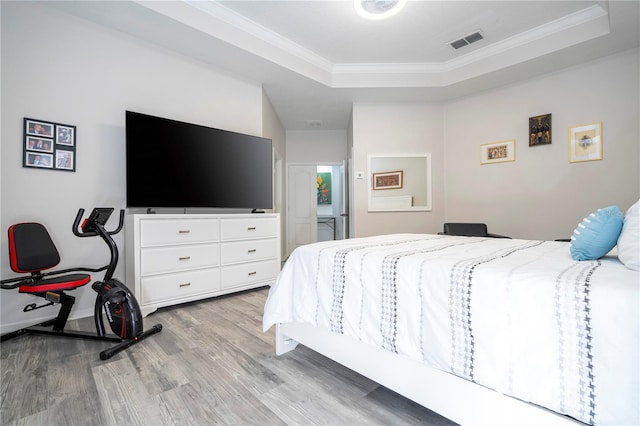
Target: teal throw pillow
597	234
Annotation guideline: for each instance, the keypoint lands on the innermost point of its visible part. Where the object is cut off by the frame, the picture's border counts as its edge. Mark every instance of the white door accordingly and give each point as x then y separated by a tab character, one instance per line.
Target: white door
302	206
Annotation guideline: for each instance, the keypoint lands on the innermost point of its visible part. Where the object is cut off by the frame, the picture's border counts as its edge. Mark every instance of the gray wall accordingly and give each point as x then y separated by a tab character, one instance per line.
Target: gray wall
316	146
540	195
60	68
381	128
272	128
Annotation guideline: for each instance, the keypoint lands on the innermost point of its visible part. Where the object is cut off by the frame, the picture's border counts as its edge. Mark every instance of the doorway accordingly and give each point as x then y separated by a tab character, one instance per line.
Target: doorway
316	203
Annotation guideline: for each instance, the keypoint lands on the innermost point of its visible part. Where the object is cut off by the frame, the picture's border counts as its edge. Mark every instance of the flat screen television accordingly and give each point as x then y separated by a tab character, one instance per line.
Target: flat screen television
175	164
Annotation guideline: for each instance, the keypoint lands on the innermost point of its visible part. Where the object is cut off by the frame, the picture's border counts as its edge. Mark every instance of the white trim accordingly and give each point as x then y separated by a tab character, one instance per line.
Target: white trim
53	312
567	31
250	36
260	32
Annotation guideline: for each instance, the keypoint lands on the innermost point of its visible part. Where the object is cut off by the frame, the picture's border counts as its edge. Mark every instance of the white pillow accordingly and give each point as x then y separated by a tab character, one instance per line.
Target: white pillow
629	240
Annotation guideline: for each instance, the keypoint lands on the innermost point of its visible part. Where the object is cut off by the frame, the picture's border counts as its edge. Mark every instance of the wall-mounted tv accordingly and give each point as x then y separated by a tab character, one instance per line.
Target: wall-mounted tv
170	163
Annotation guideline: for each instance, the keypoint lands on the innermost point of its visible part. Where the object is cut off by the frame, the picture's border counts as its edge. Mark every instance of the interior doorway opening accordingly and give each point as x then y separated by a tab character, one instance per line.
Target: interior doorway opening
317	204
329	202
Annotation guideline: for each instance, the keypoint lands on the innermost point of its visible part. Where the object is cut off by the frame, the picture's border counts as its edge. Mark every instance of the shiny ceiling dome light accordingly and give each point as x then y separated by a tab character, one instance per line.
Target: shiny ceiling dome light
378	9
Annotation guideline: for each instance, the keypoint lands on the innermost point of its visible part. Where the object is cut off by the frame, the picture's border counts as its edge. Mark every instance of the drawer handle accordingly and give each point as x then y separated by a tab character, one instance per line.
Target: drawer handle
252	251
185	285
251	228
184	231
184	258
252	273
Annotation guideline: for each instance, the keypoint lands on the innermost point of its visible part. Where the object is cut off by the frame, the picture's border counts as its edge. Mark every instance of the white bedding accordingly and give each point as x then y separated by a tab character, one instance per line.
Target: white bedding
517	316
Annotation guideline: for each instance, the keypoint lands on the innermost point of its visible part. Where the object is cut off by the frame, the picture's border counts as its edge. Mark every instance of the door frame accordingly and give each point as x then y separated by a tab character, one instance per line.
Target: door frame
288	193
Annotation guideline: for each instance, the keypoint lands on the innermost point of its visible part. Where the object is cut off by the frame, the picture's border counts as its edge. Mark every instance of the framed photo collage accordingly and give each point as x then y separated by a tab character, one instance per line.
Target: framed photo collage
49	145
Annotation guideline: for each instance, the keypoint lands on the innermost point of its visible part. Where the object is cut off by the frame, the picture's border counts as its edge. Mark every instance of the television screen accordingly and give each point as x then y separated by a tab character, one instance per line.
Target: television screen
175	164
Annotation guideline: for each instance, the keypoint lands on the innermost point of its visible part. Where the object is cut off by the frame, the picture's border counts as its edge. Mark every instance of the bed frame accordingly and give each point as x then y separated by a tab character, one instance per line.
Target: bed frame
457	399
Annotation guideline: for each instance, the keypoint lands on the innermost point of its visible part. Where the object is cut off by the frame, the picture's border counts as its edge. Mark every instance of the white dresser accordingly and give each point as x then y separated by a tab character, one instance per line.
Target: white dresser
177	258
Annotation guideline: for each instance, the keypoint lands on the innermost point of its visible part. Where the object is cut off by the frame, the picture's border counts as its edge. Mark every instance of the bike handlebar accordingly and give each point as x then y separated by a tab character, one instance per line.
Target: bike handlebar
79	232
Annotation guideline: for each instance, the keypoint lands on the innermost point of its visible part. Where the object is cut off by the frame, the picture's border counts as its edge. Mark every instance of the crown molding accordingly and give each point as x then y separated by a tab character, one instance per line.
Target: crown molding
260	32
227	25
541	33
583	17
569	30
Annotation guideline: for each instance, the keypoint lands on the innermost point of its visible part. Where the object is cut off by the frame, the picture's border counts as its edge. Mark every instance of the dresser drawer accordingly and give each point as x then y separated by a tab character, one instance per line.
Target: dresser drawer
178	231
179	258
249	251
242	229
244	274
179	285
156	260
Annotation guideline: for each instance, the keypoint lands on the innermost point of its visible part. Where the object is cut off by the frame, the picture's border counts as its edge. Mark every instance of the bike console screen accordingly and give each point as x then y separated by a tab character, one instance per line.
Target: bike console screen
99	216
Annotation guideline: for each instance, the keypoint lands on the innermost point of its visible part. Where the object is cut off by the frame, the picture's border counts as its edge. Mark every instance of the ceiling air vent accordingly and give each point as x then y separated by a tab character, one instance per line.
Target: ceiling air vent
464	41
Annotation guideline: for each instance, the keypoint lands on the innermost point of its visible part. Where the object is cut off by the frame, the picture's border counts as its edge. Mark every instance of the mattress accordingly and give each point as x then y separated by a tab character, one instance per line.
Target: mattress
517	316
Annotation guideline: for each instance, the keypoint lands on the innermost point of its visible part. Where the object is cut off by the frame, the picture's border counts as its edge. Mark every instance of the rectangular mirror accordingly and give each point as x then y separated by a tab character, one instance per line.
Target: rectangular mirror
399	182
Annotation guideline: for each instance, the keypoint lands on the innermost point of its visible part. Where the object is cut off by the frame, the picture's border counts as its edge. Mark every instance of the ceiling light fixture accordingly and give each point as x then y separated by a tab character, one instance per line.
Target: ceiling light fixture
378	9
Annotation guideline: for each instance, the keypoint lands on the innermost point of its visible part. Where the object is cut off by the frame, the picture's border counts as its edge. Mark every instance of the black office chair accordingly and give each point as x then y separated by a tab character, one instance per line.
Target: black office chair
469	230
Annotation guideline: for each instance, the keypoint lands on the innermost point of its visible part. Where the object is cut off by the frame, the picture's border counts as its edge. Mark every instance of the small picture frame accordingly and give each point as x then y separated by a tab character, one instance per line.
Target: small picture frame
39	128
540	130
64	159
585	143
387	180
65	135
498	152
49	145
39	159
39	144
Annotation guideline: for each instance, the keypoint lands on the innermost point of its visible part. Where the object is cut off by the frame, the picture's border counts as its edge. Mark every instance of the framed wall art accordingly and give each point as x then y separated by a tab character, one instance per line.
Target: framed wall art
540	130
323	183
49	145
585	143
387	180
498	152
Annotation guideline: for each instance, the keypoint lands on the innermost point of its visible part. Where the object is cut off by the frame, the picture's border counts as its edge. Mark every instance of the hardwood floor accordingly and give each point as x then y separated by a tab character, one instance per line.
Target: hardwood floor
211	364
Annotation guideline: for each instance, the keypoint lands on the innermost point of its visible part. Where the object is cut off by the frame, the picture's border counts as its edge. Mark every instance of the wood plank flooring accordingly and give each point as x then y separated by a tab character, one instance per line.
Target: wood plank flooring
211	364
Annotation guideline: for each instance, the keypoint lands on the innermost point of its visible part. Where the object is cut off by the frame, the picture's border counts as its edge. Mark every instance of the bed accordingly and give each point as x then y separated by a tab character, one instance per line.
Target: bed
480	330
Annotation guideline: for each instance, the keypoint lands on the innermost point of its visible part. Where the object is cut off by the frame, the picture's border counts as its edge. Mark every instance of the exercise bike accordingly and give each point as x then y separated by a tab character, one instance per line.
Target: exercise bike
31	250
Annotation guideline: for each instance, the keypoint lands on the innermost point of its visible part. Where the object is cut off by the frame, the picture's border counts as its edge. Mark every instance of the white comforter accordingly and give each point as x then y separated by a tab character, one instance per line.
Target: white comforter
517	316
